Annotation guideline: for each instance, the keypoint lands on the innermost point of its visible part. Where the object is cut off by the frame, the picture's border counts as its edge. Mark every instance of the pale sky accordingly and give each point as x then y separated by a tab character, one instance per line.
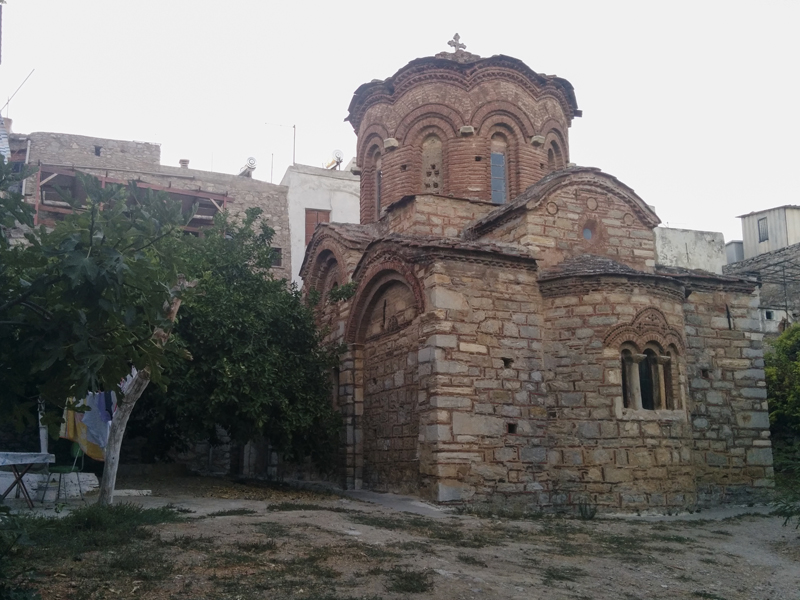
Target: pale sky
695	104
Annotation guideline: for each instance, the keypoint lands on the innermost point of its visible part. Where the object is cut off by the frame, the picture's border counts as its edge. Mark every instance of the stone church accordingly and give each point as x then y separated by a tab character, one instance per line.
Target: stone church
512	336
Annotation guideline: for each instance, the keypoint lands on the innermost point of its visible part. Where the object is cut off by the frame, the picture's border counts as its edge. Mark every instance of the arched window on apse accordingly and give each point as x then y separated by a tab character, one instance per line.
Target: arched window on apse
432	165
555	160
499	150
378	182
648	382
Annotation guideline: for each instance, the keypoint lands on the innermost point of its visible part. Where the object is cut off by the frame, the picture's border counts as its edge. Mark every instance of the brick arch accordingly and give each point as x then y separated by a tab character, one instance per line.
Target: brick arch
649	325
497	123
327	256
439	115
487	113
384	270
373	134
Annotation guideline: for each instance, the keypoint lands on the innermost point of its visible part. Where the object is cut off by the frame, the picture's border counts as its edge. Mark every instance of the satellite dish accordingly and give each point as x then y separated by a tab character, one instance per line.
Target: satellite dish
251	163
338	155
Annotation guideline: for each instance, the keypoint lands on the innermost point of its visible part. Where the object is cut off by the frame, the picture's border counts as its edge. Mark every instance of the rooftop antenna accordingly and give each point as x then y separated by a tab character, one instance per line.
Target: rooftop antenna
18	89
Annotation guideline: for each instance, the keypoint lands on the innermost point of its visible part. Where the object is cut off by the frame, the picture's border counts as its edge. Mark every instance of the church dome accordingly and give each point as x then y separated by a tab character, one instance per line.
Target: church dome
459	125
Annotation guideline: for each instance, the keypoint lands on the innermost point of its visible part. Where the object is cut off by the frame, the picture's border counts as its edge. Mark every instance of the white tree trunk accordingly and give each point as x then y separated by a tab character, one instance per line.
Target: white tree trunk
118	425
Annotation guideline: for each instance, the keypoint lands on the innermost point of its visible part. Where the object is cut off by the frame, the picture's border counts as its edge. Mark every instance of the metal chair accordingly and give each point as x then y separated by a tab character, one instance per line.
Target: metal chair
76	453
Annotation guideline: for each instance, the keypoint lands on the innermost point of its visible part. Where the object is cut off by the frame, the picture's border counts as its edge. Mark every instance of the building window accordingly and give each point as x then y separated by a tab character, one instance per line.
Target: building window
314	216
648	381
555	160
432	165
769	315
763	231
378	185
499	169
277	257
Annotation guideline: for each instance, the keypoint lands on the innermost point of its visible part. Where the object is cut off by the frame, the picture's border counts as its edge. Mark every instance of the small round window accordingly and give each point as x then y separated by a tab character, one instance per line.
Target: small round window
587	233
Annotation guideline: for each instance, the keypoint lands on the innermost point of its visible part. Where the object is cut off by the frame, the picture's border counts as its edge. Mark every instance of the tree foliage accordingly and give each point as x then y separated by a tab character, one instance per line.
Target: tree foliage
783	384
259	367
80	301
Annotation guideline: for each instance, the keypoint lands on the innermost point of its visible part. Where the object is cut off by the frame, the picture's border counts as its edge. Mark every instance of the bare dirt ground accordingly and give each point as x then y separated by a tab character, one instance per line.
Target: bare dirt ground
241	542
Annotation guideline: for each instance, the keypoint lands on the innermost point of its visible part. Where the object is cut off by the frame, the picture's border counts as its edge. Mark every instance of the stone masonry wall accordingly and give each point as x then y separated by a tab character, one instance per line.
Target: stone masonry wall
730	422
433	215
483	418
598	451
84	151
555	227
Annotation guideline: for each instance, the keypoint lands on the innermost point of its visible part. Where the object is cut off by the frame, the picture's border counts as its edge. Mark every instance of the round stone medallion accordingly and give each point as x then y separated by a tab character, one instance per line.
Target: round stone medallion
591	203
628	219
552	208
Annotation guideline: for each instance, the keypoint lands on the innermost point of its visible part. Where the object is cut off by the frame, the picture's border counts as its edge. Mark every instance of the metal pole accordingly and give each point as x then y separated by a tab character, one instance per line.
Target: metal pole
271	166
294	143
785	296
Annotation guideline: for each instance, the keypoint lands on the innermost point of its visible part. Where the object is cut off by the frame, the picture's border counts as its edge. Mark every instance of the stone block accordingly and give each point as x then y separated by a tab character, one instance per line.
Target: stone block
614	475
759	456
589	430
469	424
443	341
447	299
505	454
536	454
472	348
753	420
437	433
453	491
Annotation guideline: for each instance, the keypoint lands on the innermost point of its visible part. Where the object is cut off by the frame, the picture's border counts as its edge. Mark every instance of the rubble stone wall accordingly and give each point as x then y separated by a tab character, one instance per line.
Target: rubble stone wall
730	421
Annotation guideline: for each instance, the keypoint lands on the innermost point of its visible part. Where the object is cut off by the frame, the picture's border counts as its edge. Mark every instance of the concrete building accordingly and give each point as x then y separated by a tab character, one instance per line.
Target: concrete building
513	337
59	157
770	252
690	249
317	195
769	230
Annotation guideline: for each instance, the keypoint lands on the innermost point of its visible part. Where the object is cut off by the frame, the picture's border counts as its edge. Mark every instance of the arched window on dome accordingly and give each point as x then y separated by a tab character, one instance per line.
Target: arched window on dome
499	156
555	159
376	162
432	165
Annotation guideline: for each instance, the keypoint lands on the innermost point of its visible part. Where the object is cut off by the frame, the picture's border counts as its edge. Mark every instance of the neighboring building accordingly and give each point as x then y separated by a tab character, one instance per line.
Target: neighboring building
317	195
770	253
59	157
512	337
770	230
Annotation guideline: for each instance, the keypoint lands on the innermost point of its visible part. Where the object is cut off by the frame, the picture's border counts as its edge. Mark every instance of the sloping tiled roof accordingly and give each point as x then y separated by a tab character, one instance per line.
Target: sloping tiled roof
588	264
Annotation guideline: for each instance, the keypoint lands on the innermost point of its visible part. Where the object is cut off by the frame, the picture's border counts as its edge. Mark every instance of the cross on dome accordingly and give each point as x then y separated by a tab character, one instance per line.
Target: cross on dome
456	43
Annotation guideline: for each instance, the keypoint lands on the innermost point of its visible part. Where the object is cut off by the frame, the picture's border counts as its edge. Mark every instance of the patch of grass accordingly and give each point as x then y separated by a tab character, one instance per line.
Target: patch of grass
707	595
232	512
471	560
414	546
630	547
434	529
139	561
259	546
406	581
721	532
291	506
484	511
273	530
94	528
677	539
708	561
552	574
371	551
188	542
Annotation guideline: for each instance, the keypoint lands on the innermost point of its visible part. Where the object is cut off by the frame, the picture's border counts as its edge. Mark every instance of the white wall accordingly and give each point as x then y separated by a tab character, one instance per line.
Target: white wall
690	249
776	229
322	189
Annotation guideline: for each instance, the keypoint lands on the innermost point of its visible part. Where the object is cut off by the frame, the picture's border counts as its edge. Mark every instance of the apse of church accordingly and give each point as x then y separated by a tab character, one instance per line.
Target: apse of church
512	338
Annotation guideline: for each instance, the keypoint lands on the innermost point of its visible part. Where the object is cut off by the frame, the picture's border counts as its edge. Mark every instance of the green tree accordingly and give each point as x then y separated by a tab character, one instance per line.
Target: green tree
259	367
81	301
783	384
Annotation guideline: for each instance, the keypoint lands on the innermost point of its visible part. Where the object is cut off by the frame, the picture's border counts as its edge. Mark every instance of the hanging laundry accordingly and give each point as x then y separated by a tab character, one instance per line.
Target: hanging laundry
74	429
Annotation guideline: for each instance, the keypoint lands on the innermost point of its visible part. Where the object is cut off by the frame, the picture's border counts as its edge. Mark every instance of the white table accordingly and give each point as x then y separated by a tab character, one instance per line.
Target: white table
26	459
